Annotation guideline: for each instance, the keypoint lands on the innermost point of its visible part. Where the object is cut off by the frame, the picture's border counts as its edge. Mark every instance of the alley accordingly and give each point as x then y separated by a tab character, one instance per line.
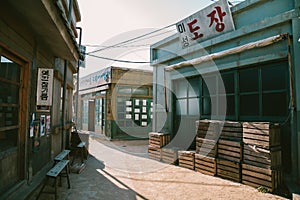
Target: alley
121	170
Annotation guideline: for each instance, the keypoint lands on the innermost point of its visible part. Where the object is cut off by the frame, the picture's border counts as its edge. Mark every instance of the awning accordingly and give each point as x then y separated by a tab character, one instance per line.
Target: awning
235	50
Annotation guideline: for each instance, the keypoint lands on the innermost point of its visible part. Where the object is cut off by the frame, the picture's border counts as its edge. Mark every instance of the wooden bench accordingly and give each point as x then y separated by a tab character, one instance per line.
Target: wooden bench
60	169
61	156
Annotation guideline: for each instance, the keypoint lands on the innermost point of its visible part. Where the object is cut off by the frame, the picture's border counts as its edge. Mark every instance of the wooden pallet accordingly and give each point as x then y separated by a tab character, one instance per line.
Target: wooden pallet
186	159
158	139
260	157
260	177
205	165
169	155
154	153
230	150
206	147
231	131
262	134
229	170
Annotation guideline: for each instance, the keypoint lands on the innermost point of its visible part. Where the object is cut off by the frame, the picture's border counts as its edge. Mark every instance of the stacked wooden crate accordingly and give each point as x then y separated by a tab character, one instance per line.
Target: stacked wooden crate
169	155
229	155
262	155
186	159
156	142
206	146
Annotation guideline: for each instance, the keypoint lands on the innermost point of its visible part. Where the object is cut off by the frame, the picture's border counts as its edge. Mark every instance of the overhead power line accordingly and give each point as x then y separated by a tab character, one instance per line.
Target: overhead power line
152	36
132	39
116	60
116	46
128	44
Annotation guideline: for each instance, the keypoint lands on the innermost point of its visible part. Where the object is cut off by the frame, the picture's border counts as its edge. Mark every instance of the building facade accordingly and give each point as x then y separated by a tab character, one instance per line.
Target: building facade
247	73
116	102
39	56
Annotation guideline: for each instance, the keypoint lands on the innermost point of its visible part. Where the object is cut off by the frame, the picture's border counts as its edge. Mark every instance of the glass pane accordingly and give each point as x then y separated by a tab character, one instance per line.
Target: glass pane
209	85
85	111
194	106
9	93
141	91
248	80
181	88
275	104
214	106
8	139
9	116
228	83
249	105
124	90
230	105
275	77
194	87
181	107
10	70
221	104
121	116
206	106
129	123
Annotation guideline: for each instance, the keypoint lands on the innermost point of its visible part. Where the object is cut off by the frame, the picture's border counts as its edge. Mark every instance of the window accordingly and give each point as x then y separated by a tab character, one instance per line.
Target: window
9	103
99	106
248	80
249	92
134	112
260	93
140	91
85	111
124	90
216	90
226	90
136	91
274	89
264	91
187	96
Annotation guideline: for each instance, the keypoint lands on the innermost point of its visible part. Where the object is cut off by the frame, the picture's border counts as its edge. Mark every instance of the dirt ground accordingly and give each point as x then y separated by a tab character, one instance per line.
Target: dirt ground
122	170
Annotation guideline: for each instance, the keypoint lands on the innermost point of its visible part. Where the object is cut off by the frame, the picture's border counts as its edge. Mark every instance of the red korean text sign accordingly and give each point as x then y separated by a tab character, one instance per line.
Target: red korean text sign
211	21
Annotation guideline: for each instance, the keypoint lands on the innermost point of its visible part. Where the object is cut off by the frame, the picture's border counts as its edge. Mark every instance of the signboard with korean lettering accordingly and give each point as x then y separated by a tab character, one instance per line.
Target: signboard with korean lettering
213	20
44	87
96	79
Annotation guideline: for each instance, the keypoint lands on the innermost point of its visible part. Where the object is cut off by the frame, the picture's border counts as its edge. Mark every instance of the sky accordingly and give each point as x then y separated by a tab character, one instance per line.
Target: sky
115	21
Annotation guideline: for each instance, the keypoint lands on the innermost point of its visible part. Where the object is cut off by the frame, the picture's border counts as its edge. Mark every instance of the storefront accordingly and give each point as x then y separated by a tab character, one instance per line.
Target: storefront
38	60
117	104
246	73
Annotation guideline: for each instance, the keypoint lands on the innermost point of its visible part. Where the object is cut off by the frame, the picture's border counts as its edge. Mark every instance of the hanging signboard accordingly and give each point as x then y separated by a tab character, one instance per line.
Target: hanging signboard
96	79
213	20
44	87
82	50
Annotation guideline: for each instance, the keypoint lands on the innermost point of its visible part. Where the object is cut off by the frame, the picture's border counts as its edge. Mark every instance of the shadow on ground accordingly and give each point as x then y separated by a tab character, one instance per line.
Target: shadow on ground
92	183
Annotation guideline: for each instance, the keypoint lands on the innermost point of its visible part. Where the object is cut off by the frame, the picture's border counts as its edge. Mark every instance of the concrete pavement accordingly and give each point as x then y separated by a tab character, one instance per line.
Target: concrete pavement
122	170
